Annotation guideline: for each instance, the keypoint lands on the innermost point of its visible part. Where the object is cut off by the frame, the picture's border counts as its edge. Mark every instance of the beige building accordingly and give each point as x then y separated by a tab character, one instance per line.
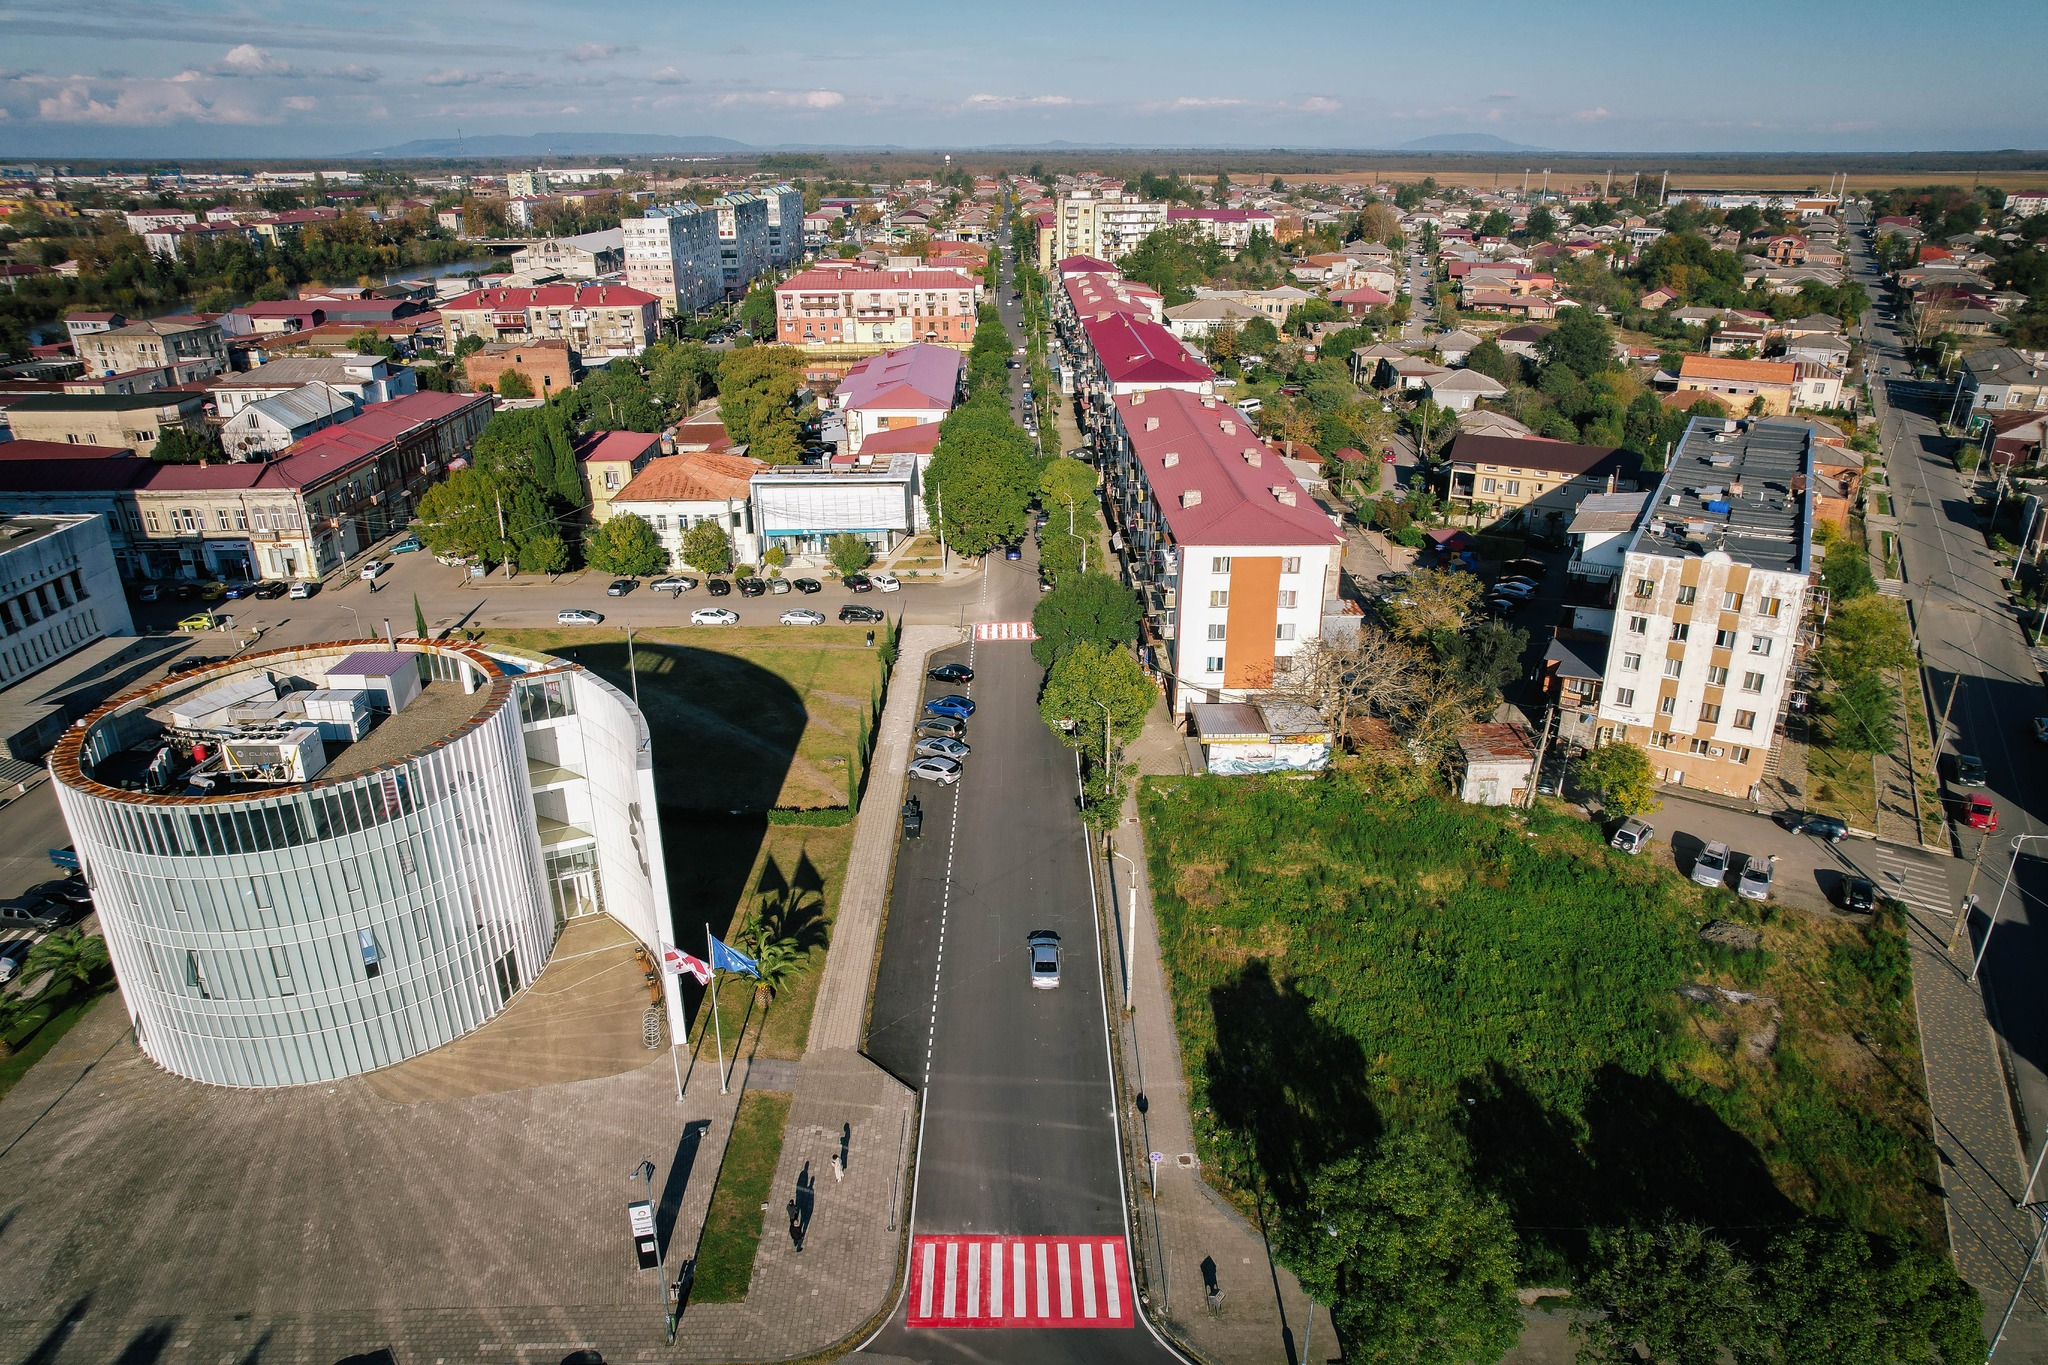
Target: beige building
147	345
1709	603
1100	224
1539	483
117	421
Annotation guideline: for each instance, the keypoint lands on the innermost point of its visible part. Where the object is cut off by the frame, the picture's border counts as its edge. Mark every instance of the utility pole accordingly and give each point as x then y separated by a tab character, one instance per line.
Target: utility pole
1953	688
1663	189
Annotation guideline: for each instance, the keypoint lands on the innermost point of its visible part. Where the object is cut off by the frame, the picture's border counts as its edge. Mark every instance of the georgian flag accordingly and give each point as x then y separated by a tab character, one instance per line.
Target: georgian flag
681	963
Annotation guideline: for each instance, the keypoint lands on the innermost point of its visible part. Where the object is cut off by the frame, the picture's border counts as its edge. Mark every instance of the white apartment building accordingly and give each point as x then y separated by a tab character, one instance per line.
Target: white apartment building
367	379
672	253
1708	605
785	225
742	239
59	591
1103	225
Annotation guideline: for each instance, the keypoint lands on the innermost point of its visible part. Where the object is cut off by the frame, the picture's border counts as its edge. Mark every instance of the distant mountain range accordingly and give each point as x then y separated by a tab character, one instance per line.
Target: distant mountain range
560	144
1464	142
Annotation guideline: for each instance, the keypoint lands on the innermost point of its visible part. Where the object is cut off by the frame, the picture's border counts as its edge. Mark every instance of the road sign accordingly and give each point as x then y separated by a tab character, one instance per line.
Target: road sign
640	1217
1157	1157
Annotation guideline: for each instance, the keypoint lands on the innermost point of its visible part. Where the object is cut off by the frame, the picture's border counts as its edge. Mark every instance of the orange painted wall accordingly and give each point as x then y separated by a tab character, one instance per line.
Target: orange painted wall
1253	616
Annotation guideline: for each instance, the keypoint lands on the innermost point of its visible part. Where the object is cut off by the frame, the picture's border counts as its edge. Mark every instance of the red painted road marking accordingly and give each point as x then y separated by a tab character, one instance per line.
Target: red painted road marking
1004	630
1051	1281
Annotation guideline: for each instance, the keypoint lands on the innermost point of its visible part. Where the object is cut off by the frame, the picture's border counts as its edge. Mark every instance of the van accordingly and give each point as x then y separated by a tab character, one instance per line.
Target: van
1248	406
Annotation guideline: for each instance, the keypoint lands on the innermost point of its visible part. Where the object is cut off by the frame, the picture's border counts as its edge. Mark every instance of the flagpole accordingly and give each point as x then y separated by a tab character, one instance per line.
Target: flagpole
717	1028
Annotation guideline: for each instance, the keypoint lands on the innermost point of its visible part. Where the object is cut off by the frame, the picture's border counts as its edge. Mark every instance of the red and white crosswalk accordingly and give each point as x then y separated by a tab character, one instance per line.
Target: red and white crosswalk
1004	630
1020	1282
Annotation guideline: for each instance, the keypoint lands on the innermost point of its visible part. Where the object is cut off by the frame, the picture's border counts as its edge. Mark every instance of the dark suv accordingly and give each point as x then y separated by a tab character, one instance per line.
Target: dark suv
753	587
853	611
718	587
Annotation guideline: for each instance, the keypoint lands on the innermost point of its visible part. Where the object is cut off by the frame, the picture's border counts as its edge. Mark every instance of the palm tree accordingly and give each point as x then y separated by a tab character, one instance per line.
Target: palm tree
12	1008
786	928
72	959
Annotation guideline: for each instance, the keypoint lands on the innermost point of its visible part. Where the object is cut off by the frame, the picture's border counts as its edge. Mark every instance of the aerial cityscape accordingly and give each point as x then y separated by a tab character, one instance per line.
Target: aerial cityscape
1045	687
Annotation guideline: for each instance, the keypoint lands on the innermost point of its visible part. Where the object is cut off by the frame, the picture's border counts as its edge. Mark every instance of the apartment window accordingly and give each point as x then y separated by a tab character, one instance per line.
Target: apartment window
611	478
1739	754
1687	594
1710	713
1514	488
1698	746
149	518
1645	588
1216	631
1632	662
1219	564
1624	696
1768	606
1215	663
1761	645
1717	677
1290	564
1287	599
1488	486
220	517
1724	639
241	519
1284	631
1639	625
1673	667
1660	739
1731	601
1220	597
1667	706
1680	630
373	956
1745	720
1752	682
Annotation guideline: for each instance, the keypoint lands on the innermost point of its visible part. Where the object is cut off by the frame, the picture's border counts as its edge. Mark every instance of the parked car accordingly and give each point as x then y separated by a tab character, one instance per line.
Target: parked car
269	590
884	582
406	545
1013	552
212	590
1755	882
938	746
237	591
953	704
944	771
753	587
1967	770
718	587
301	589
946	727
951	673
1710	868
147	592
808	585
714	616
853	611
675	583
184	592
1516	590
1858	895
1979	813
204	620
800	617
578	616
1042	947
1828	827
858	582
372	569
621	586
2041	729
1632	836
12	955
1528	568
778	586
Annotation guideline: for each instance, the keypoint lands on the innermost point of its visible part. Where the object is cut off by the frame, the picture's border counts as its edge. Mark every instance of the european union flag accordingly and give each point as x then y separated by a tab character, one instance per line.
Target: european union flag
726	958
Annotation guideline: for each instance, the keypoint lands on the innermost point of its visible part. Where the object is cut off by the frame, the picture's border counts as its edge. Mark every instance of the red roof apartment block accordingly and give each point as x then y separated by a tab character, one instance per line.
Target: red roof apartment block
1137	353
1216	480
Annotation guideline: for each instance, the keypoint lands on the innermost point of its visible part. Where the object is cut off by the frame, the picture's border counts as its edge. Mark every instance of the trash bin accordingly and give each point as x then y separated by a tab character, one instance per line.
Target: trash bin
913	819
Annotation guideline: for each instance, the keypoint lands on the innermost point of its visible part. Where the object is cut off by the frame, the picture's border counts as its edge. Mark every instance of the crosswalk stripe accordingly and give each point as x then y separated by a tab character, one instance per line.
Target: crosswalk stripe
1916	884
1004	630
1040	1276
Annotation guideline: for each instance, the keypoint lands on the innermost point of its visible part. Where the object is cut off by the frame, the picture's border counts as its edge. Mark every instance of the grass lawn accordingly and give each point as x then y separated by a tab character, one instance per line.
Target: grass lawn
1839	782
1925	775
732	1227
1345	960
47	1031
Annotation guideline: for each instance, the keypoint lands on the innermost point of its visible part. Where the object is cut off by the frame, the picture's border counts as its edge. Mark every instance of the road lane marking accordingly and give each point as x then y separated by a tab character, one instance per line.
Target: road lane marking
1040	1273
1066	1283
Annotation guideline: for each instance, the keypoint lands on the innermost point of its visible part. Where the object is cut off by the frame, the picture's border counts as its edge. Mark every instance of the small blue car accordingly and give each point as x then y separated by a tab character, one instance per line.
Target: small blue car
954	705
405	546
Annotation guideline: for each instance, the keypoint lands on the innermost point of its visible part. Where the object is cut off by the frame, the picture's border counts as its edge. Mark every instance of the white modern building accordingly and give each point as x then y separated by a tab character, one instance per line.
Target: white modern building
368	379
314	862
785	225
59	591
672	253
800	508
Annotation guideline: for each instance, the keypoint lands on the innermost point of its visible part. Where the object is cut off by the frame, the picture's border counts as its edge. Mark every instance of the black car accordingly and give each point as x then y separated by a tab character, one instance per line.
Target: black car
1532	568
854	612
718	587
753	587
269	590
951	673
807	585
858	582
621	586
1968	771
1858	894
184	592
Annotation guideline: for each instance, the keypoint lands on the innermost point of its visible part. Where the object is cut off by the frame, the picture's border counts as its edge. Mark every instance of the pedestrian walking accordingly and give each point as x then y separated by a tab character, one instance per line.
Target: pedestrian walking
796	1226
838	1167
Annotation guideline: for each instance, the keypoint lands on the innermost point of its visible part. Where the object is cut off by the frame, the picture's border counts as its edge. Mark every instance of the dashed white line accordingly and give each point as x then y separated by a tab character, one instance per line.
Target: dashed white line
931	1037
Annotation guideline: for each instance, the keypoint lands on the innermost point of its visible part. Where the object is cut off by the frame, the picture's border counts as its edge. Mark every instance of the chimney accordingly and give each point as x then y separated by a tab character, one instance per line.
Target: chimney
1284	494
1290	450
1735	489
1251	456
1191	498
1229	427
1151	424
1137	399
1169	459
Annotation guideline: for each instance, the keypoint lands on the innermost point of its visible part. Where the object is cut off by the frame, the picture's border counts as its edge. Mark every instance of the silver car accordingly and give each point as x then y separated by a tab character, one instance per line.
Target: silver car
941	747
1755	882
1710	868
1043	948
800	617
944	771
578	616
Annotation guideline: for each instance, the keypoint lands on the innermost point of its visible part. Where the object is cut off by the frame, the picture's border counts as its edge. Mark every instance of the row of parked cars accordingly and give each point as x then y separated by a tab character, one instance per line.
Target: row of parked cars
850	614
55	904
942	746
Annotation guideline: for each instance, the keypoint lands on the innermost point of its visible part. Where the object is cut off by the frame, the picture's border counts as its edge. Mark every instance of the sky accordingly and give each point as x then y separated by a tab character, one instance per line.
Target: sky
195	78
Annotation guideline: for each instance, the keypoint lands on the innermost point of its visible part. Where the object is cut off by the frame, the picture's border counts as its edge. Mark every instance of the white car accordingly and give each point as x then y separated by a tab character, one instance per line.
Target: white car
373	568
578	616
944	771
714	616
797	616
299	590
884	582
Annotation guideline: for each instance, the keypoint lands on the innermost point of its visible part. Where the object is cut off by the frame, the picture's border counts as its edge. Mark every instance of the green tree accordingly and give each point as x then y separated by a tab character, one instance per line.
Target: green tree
459	516
757	310
1833	1292
1862	712
1542	224
1496	224
1489	359
1845	572
1618	775
682	375
625	545
1484	658
177	445
617	398
1091	609
1582	342
1417	1266
553	459
545	552
754	382
849	553
1674	1293
419	618
468	346
1089	690
72	957
1866	635
776	439
979	485
707	547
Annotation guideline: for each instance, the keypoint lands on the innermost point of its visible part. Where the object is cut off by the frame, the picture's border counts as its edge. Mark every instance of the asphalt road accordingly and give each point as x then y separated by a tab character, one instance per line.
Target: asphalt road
1967	630
1019	1130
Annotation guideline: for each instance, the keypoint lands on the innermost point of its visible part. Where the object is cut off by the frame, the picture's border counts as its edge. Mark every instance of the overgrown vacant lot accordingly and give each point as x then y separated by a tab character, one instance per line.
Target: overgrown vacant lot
1346	960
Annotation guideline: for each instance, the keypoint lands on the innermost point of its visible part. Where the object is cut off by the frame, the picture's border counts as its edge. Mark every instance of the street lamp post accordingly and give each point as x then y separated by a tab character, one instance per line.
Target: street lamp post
644	1173
1131	933
352	615
2011	867
2040	1214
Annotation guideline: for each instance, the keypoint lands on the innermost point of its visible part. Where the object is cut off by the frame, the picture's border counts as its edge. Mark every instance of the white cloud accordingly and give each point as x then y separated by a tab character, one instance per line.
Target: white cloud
570	109
1591	115
143	102
592	52
301	103
1320	104
1503	95
453	75
503	80
1194	102
1019	101
247	59
783	99
356	71
668	75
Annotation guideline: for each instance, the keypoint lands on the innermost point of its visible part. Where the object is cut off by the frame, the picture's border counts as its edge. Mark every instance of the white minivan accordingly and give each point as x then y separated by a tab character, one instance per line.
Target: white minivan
1248	406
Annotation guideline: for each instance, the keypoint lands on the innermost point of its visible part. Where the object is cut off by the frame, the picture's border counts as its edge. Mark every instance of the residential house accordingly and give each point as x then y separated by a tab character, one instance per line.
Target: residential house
1197	319
1828	349
151	344
913	386
273	423
1453	346
2005	379
672	252
1496	764
1712	593
1601	530
743	248
1773	387
1459	390
1119	354
115	421
877	309
582	257
1358	302
1523	340
799	508
1101	223
547	366
609	461
78	326
365	378
673	493
1232	557
1537	483
600	321
785	225
1230	229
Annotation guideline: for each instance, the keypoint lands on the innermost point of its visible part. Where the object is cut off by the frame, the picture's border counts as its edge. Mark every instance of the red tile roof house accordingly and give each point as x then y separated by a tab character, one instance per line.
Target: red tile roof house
1233	558
608	460
913	386
1361	301
824	307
